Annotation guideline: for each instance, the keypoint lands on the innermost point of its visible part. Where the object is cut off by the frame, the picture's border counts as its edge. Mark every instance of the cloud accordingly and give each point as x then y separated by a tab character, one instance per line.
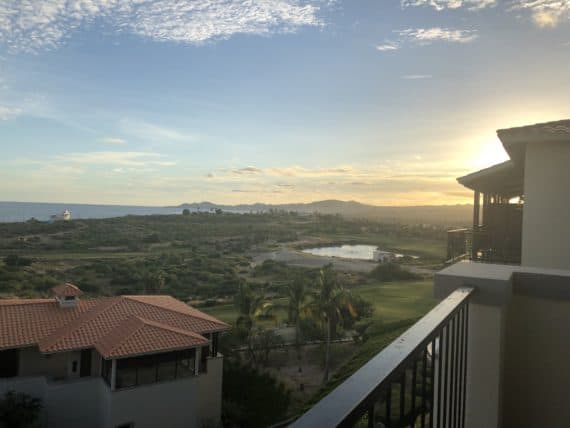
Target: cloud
426	36
37	25
113	140
7	112
388	46
247	170
450	4
131	159
416	76
544	13
153	132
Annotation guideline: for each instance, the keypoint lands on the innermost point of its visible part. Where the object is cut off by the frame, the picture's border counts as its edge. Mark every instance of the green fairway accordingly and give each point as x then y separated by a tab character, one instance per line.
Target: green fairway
393	301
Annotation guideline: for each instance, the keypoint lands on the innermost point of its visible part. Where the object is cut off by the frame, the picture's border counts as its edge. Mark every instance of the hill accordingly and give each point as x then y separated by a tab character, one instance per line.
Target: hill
431	214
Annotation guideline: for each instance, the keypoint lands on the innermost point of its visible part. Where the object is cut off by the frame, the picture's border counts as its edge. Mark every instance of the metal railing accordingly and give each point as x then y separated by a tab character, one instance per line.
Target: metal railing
458	244
419	380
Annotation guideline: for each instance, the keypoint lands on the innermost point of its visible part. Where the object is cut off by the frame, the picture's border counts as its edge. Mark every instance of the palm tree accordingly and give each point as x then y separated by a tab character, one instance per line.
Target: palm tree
251	306
298	293
329	297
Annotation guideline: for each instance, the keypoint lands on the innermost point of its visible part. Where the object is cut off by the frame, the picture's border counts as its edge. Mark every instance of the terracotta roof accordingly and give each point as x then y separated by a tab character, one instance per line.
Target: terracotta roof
137	336
66	290
98	323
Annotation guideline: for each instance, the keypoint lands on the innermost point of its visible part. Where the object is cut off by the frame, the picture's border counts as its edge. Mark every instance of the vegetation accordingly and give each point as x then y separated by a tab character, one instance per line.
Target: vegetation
250	398
19	410
392	272
209	260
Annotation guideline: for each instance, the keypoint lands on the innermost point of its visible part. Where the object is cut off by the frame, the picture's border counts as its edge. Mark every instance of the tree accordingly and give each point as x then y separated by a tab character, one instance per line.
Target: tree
19	410
298	293
251	306
154	282
185	211
329	297
13	260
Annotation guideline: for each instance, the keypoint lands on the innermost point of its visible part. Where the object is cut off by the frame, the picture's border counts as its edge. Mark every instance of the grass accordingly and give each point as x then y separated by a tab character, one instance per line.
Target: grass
393	301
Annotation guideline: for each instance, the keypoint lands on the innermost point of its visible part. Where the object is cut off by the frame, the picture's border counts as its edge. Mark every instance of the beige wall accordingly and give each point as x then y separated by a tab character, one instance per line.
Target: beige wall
210	397
484	380
89	403
537	358
546	216
172	404
56	366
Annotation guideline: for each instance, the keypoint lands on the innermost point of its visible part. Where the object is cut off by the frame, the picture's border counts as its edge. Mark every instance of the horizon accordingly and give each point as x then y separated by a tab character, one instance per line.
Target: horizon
181	205
295	101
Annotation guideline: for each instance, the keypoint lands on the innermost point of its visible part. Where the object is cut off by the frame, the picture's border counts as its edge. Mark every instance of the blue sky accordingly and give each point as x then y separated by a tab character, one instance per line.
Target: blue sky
164	101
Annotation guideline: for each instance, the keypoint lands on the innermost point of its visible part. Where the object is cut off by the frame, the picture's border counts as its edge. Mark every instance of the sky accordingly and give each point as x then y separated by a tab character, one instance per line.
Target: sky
160	102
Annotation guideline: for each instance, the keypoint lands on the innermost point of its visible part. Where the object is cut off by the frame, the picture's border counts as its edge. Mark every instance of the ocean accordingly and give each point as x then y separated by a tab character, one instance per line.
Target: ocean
22	211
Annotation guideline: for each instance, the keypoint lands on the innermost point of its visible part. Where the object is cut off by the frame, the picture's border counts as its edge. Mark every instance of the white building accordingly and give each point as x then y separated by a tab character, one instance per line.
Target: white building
383	256
126	361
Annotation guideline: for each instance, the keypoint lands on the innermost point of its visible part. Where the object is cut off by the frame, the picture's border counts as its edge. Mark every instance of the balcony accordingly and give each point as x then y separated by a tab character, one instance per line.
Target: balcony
489	355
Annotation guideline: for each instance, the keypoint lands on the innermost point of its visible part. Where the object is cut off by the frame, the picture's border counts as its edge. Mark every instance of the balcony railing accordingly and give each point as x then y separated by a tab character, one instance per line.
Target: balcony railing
419	380
458	244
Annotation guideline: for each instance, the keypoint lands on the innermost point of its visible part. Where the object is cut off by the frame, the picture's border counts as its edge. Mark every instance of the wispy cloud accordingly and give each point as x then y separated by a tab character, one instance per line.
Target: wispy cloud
247	170
132	159
388	46
450	4
113	140
426	36
7	112
153	132
544	13
35	25
416	76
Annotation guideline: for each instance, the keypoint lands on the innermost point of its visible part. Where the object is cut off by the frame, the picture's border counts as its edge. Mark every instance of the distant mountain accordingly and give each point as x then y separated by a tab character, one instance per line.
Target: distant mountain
432	214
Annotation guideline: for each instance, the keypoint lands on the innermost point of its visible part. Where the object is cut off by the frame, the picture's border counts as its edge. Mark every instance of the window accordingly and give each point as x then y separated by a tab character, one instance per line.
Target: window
155	368
69	298
74	365
127	425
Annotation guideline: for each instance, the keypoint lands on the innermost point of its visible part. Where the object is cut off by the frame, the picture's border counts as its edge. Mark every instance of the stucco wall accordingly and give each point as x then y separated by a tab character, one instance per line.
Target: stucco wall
58	366
172	404
536	374
546	231
210	397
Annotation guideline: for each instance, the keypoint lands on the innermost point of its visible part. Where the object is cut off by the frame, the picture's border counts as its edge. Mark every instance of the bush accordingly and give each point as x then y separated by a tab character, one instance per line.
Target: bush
266	401
392	272
14	260
19	410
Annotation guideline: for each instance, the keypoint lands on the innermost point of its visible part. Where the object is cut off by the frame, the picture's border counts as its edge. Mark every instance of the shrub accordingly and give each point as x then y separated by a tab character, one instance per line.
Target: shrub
392	272
19	410
14	260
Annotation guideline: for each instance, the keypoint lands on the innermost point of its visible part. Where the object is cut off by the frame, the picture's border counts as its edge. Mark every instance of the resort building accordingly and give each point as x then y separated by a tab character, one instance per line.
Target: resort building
494	353
125	361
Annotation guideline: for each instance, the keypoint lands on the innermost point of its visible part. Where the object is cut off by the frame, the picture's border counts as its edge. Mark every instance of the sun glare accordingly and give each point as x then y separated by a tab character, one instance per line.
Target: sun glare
489	153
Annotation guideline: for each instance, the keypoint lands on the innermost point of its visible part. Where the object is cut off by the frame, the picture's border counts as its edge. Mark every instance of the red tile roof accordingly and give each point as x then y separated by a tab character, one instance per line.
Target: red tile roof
138	336
161	322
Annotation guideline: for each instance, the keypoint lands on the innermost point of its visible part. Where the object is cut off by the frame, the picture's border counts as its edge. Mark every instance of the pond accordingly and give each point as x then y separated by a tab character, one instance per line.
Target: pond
359	252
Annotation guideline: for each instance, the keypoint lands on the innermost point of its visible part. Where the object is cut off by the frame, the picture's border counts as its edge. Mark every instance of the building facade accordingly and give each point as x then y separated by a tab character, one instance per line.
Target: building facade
127	361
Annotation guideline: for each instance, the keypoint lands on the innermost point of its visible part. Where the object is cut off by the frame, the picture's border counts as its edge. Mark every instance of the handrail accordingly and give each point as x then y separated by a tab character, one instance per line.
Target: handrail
361	393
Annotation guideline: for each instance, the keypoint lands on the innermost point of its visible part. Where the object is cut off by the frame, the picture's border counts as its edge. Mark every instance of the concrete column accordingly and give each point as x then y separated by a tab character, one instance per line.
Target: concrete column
486	335
113	374
197	361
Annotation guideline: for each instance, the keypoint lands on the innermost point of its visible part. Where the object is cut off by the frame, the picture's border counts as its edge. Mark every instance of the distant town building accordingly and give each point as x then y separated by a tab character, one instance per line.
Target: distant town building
383	256
64	216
